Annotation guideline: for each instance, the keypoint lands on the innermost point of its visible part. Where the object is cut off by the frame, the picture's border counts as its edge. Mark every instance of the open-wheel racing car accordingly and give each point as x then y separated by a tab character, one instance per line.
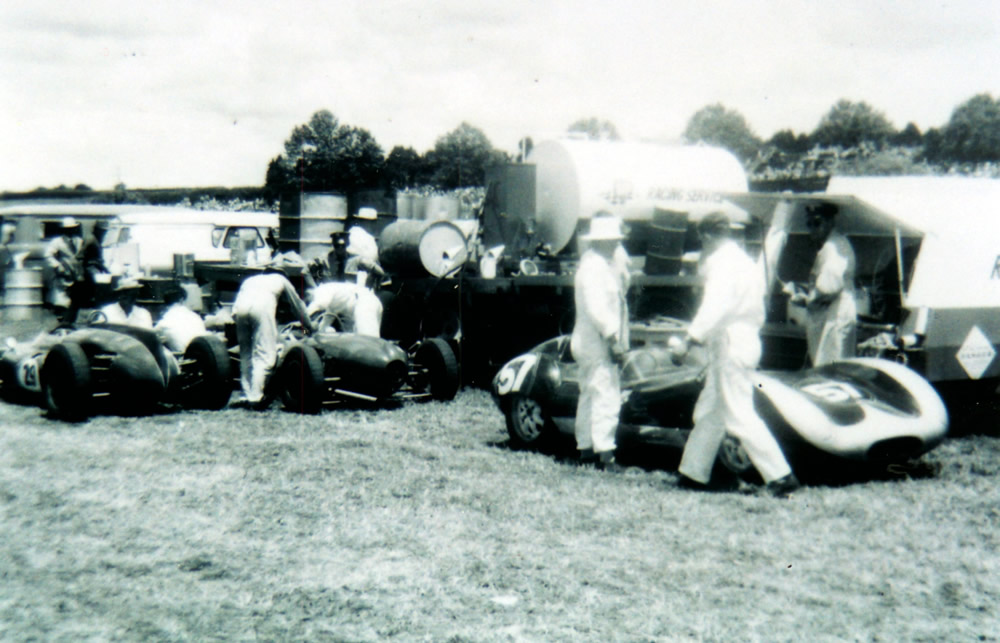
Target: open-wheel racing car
77	371
871	411
331	368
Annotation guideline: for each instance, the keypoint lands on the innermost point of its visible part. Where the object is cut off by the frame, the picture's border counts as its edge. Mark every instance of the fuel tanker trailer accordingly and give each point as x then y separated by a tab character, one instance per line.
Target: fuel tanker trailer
513	285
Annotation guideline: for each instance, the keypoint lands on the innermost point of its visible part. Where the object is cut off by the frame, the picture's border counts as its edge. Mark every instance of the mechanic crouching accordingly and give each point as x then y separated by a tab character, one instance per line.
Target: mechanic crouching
255	311
728	323
600	339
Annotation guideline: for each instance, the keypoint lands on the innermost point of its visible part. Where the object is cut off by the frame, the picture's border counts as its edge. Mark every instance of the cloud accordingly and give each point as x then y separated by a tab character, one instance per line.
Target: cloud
205	92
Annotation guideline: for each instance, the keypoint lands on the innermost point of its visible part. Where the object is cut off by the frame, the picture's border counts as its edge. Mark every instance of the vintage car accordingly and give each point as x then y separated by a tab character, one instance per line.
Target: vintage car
868	410
77	371
331	368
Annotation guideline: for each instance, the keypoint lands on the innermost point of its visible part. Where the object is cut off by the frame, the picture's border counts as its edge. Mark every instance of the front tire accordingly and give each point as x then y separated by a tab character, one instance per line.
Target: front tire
67	382
528	425
207	380
301	382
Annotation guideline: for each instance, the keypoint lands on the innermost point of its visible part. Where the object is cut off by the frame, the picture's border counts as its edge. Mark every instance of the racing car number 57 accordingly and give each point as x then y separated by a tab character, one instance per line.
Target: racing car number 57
511	376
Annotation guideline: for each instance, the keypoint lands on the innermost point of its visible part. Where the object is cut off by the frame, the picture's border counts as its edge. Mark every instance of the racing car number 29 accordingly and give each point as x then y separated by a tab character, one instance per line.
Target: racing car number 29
27	375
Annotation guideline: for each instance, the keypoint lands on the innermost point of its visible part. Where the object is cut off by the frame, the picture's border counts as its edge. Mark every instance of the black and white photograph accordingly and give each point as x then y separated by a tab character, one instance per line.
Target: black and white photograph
470	321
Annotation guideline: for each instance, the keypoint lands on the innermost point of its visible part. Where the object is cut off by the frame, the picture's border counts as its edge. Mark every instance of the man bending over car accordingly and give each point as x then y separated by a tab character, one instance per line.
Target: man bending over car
255	311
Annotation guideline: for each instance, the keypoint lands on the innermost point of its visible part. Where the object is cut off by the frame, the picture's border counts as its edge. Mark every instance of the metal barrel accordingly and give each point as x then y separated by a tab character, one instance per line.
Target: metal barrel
306	222
666	242
22	296
444	245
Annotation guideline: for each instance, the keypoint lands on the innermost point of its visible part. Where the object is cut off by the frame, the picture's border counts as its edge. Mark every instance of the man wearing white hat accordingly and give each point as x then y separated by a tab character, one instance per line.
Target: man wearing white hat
62	264
125	310
600	338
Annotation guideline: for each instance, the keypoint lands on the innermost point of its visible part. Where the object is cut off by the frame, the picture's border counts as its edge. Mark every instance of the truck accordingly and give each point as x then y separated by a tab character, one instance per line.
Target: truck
928	268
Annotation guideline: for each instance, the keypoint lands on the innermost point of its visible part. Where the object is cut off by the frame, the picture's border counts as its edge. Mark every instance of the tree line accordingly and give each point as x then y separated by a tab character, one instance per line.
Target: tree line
326	155
971	136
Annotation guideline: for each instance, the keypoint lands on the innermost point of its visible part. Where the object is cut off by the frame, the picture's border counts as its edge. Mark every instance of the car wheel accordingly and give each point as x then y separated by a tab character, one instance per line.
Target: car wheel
67	382
206	377
436	356
301	382
734	457
528	425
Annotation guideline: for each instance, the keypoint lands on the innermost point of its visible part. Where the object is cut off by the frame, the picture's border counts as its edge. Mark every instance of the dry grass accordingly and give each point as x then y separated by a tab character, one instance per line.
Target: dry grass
419	524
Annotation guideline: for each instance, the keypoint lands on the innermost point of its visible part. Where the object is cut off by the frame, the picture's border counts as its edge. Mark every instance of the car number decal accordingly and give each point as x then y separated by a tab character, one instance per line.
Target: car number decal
833	392
27	374
512	375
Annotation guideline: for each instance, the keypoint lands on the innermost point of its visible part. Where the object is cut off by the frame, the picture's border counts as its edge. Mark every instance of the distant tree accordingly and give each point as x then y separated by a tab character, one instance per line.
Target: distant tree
973	133
83	187
460	158
909	136
849	124
786	141
324	155
278	178
404	167
716	125
933	141
596	129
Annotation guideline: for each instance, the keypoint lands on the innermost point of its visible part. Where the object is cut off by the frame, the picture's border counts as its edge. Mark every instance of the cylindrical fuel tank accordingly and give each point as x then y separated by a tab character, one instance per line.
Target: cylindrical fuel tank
444	245
409	247
575	178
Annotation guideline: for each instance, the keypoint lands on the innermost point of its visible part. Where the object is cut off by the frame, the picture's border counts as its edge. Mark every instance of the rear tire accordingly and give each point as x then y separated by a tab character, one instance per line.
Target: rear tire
301	383
67	382
438	358
208	381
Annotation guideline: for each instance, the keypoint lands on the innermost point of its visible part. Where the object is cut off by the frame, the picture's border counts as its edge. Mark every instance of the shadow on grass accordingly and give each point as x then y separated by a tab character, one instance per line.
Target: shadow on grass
649	457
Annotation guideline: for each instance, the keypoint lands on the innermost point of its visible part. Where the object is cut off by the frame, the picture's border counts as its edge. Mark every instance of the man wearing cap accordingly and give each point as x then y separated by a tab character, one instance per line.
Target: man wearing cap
125	310
728	323
178	324
600	338
831	311
91	258
63	266
255	311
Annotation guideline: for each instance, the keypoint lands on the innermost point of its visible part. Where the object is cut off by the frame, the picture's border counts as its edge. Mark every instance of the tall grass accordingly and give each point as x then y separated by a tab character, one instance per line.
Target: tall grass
420	524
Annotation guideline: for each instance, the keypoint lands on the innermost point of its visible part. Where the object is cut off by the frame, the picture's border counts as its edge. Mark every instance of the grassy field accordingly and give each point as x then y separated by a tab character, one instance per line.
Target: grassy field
419	523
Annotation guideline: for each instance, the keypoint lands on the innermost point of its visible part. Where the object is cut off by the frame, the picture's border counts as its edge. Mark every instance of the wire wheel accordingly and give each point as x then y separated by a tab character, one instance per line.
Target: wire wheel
527	424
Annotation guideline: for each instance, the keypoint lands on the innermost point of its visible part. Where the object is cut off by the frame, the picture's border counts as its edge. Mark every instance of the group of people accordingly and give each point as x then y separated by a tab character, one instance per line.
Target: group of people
728	324
350	300
74	263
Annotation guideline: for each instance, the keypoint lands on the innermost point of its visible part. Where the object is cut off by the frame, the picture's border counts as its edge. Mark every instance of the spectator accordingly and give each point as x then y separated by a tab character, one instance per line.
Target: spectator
125	310
831	311
63	267
600	338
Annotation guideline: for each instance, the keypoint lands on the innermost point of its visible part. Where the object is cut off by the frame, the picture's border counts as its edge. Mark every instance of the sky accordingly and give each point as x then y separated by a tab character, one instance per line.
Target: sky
204	93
